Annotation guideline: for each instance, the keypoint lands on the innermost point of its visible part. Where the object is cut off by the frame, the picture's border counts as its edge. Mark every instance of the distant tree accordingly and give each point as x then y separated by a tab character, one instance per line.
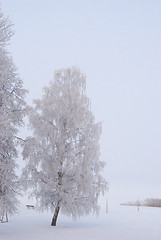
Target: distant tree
63	167
12	110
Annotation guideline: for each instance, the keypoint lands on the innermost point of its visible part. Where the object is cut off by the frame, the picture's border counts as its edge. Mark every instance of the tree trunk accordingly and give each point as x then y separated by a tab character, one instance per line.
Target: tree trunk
54	219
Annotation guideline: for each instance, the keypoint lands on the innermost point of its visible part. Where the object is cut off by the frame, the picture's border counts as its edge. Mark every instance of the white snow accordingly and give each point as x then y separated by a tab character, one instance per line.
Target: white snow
121	223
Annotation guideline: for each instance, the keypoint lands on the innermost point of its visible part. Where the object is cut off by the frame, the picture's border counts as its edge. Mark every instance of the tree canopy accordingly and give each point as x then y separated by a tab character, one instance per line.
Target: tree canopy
12	110
63	155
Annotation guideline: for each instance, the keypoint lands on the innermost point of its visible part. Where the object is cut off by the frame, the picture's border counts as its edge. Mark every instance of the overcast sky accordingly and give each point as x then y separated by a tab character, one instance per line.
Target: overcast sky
117	44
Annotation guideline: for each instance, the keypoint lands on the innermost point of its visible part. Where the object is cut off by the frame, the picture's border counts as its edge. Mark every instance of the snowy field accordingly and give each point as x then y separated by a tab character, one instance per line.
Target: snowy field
121	223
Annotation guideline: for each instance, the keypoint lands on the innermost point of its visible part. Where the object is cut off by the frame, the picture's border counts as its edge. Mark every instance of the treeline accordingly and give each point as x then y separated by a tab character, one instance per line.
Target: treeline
149	202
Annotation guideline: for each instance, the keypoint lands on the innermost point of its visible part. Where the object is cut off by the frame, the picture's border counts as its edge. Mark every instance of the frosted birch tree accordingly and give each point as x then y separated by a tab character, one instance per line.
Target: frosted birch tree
63	156
12	110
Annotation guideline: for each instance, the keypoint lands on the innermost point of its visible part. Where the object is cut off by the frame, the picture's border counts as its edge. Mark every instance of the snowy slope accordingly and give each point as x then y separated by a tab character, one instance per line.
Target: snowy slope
121	223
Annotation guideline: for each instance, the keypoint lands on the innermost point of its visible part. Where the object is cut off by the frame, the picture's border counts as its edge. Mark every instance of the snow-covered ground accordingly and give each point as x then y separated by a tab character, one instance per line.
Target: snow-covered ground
120	223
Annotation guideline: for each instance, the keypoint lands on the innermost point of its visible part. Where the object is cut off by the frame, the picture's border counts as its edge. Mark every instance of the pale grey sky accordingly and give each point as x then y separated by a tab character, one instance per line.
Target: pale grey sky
117	44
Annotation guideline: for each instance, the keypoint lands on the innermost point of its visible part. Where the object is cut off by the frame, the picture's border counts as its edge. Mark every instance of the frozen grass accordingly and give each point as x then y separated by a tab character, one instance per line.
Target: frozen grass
121	223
